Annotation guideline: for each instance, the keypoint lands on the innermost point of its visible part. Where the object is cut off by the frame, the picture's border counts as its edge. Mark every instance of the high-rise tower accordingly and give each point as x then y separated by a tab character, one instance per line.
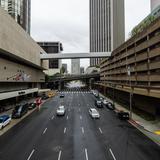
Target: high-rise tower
107	27
20	10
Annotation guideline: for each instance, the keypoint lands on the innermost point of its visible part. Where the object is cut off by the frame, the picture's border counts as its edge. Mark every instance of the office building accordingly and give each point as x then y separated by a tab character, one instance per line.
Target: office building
20	10
134	68
21	68
51	48
75	66
154	4
65	67
107	27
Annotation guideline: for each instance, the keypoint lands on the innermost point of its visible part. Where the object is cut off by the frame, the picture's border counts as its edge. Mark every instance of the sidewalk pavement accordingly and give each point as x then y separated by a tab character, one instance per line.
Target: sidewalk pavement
16	121
150	128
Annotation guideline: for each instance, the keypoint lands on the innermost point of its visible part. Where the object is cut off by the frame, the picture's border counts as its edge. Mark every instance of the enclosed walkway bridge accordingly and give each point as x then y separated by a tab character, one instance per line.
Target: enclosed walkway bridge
75	55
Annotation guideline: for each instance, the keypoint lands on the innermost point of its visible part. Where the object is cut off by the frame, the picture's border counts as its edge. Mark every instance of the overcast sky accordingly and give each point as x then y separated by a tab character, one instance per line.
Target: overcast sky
67	21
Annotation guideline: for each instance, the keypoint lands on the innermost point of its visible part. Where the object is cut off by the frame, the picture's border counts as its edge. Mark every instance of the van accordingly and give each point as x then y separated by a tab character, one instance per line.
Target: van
20	110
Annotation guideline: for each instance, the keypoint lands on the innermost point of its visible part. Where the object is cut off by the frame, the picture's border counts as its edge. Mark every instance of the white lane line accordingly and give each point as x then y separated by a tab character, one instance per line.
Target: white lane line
68	110
59	156
100	130
67	117
79	109
65	130
86	153
31	154
44	131
80	117
112	154
82	130
52	117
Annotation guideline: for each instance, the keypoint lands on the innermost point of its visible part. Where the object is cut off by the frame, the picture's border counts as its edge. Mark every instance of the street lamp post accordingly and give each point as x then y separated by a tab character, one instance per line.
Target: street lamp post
130	99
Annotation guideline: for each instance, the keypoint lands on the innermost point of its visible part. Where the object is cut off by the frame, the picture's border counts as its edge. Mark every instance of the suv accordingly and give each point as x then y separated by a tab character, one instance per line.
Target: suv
98	103
20	110
123	115
60	111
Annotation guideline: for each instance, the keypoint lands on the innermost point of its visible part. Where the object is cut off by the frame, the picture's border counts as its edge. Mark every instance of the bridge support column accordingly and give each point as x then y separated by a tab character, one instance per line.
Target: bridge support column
91	83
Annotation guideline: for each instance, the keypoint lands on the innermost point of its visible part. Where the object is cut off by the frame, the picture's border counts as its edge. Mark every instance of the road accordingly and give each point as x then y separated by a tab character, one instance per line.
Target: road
76	136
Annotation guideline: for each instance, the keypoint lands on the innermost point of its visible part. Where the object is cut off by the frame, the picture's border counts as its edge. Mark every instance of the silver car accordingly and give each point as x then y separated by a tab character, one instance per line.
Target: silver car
60	111
94	113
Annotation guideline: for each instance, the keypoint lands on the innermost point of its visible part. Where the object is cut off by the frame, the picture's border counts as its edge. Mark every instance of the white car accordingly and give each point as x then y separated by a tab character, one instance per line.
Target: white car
4	120
94	113
60	111
105	102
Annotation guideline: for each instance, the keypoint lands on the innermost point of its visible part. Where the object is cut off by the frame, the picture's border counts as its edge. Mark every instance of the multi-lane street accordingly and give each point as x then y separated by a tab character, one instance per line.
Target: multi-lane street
76	136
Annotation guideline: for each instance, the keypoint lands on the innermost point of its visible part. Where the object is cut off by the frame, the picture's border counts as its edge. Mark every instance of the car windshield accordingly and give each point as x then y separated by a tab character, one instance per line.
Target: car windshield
1	120
61	107
94	111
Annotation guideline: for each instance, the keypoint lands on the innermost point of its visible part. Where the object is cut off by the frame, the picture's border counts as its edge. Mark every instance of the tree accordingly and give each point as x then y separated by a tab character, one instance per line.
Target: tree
144	24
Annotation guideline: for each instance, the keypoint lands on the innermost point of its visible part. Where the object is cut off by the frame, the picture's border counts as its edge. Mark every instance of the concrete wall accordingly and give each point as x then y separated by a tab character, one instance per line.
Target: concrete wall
10	71
15	40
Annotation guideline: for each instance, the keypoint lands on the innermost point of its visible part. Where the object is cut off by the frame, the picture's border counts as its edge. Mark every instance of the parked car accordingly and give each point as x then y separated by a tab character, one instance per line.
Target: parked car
110	106
101	99
20	110
32	105
98	103
4	120
123	115
61	95
60	111
94	113
44	97
105	102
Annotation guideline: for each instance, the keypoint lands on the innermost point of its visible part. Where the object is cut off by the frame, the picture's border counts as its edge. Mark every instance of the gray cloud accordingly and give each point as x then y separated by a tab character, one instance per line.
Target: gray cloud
67	21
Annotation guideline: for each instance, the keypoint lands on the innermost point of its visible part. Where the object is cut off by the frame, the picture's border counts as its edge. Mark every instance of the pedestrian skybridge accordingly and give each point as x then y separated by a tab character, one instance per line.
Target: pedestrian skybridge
75	55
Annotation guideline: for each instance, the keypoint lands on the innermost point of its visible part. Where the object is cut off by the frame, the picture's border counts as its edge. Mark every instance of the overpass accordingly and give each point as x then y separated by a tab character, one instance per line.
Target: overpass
75	77
75	55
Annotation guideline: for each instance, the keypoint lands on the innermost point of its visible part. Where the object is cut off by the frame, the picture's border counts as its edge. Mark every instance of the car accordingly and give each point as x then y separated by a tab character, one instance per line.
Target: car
20	110
44	97
60	111
101	99
61	95
32	105
122	115
4	121
96	95
105	102
98	103
94	113
110	106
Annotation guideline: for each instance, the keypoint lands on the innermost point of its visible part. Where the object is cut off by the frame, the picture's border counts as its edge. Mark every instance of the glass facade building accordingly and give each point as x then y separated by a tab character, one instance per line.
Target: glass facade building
20	10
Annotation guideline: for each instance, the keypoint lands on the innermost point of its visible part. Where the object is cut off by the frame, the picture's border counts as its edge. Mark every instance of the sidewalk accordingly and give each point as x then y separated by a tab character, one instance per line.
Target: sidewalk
16	121
150	128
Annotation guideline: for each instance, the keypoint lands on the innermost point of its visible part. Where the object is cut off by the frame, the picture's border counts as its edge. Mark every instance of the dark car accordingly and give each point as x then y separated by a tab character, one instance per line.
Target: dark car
110	106
98	103
32	105
123	115
20	110
61	95
44	97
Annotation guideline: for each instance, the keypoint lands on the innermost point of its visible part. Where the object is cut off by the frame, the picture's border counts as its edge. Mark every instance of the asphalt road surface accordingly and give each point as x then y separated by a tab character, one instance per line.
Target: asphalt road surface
76	136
